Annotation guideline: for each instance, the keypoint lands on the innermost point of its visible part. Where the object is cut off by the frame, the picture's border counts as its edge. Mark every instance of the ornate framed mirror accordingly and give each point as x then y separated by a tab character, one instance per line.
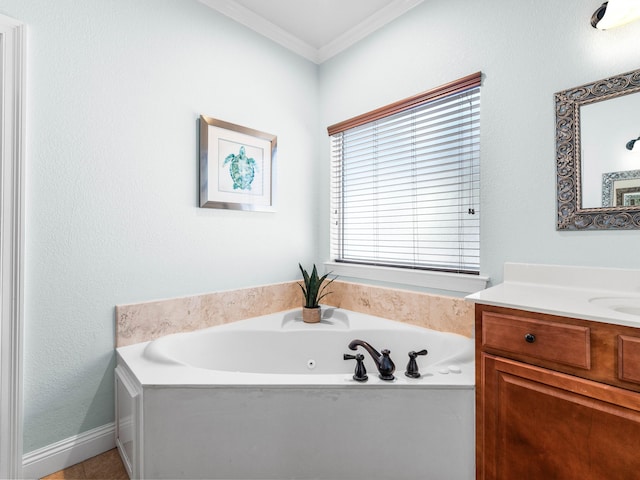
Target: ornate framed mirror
598	154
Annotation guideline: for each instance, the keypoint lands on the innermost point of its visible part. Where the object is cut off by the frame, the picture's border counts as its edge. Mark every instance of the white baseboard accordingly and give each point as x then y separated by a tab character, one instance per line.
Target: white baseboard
67	452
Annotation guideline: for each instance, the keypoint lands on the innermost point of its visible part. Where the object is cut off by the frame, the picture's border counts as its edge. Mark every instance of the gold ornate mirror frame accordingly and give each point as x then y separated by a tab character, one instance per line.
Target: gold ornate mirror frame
571	215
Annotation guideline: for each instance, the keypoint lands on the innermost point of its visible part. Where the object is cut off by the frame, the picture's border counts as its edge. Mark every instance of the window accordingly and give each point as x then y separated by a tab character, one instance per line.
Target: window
406	182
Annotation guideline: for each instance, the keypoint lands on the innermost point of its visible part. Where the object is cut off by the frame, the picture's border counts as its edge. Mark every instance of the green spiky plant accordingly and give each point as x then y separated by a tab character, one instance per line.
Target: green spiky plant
313	289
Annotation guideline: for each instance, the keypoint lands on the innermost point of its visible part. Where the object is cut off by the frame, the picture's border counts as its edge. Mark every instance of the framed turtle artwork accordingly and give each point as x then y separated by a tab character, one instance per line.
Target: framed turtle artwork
237	166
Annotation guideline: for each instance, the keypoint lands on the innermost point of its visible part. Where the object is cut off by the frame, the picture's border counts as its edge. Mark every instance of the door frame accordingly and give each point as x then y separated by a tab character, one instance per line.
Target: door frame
12	161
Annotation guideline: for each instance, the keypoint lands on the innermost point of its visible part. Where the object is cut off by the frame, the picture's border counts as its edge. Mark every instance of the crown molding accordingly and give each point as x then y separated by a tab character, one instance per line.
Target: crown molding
255	22
366	27
250	19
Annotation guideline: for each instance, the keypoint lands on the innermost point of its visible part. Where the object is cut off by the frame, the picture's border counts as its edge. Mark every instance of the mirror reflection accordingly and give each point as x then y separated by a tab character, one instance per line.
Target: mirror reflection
598	154
610	157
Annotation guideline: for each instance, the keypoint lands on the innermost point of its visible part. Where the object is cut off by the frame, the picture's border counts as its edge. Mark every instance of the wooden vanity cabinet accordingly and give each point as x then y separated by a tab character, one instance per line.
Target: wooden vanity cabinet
556	397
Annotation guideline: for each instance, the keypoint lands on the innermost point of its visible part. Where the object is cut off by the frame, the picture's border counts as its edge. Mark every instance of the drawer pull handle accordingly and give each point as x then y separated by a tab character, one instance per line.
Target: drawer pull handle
530	338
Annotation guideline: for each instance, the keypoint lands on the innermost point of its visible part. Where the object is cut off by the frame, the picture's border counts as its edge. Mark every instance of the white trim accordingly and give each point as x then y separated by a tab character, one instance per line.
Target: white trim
69	451
365	28
255	22
252	20
129	424
454	282
12	130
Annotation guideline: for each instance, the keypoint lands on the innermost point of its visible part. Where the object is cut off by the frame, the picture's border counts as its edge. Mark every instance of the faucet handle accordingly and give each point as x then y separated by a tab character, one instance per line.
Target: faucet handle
412	366
386	367
360	374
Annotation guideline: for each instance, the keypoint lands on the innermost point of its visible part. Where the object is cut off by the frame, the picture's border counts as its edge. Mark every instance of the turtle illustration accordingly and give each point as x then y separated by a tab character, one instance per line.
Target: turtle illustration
241	169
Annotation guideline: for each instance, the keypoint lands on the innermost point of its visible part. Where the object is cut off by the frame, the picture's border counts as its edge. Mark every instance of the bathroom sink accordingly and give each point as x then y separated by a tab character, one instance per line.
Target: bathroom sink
628	305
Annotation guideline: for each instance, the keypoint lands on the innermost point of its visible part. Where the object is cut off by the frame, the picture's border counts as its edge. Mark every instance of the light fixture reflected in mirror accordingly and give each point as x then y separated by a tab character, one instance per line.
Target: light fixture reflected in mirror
631	143
615	13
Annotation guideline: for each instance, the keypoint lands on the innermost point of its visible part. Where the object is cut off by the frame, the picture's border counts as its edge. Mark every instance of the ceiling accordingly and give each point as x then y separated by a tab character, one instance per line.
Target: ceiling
314	29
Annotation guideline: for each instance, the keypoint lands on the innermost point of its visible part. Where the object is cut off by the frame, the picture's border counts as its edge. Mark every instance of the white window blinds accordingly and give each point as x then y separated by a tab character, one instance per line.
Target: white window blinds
406	186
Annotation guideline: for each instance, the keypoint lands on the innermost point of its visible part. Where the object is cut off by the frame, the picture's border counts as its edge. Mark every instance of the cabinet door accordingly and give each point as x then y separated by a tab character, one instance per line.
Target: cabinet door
538	424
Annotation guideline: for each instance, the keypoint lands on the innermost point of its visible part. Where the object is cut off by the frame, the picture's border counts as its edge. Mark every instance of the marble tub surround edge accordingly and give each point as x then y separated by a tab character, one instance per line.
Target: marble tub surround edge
145	321
565	291
437	312
141	322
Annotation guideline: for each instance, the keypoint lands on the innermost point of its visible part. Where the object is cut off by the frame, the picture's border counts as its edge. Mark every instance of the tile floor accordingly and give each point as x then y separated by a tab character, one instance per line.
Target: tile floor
107	466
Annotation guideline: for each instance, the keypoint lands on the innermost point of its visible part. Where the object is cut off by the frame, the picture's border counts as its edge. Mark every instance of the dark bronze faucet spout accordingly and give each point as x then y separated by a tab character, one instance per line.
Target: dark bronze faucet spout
383	361
372	351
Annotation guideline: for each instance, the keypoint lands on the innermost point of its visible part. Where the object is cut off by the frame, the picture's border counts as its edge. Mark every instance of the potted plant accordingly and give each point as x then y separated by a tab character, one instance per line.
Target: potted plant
313	291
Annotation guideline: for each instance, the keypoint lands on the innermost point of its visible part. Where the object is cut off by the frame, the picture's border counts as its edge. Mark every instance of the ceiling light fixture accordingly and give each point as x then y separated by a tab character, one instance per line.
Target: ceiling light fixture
615	13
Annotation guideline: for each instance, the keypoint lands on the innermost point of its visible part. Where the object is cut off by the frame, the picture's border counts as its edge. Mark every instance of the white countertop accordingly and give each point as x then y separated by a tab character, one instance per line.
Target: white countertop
590	293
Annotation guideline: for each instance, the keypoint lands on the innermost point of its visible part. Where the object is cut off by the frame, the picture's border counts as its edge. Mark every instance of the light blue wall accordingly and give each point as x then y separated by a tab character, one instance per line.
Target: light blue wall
527	50
114	91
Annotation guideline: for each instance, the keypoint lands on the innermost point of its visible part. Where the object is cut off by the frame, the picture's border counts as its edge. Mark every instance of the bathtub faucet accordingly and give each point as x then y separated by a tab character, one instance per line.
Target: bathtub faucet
382	360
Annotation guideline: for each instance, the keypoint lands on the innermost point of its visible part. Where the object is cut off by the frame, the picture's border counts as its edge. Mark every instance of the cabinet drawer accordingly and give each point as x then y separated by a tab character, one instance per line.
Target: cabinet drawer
629	358
554	342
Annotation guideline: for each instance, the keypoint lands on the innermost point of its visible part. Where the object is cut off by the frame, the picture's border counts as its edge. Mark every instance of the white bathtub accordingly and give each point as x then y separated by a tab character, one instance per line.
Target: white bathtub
272	398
